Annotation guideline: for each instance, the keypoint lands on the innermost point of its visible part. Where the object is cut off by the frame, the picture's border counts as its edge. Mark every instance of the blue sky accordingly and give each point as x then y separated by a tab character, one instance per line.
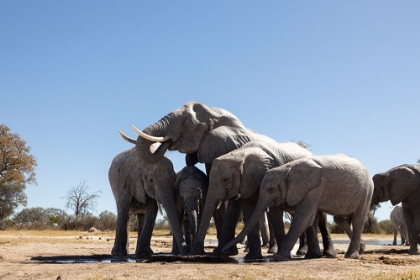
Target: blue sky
343	76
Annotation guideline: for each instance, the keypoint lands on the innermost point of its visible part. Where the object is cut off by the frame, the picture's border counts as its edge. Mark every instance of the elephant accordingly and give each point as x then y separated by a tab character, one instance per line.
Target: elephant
238	175
402	184
138	187
335	184
190	191
398	224
203	133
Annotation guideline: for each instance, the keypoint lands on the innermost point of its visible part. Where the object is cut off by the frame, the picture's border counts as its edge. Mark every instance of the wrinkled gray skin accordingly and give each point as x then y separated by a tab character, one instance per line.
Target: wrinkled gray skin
190	191
239	173
337	185
203	133
398	224
402	184
137	188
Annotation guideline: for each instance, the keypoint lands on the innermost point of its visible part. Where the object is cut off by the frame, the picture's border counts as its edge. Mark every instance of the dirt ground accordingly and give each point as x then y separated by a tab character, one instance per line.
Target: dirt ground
83	255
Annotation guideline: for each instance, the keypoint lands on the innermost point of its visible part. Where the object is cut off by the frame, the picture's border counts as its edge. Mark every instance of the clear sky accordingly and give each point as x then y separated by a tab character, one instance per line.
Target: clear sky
343	76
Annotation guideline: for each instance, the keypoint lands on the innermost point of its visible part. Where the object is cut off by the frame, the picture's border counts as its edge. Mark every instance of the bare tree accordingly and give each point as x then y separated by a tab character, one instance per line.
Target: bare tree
80	201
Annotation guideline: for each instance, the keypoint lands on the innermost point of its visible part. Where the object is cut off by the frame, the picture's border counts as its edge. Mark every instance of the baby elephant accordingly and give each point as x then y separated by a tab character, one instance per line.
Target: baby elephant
190	193
398	224
336	184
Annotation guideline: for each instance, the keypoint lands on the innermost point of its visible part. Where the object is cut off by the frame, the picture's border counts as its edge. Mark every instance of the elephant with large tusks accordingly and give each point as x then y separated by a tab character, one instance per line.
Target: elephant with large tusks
190	191
402	184
238	175
138	187
337	185
203	133
398	224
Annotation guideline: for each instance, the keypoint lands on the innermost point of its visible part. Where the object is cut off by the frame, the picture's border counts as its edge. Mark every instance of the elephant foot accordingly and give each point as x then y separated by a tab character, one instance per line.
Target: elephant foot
414	253
330	252
232	251
144	253
394	243
282	257
198	249
253	256
362	247
313	255
354	255
302	250
272	249
119	251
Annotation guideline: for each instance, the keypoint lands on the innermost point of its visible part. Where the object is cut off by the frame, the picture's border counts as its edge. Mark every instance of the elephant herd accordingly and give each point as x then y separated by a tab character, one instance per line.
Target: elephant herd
249	175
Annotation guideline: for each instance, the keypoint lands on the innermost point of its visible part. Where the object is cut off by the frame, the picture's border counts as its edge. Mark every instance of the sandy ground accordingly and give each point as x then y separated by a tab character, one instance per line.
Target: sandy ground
83	255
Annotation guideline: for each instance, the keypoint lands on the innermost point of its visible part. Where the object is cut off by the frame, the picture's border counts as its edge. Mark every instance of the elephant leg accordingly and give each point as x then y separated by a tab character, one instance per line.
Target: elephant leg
264	231
219	217
175	249
402	237
272	245
395	232
413	228
312	240
345	224
329	249
303	245
275	220
148	225
229	227
357	221
140	221
304	216
253	237
121	236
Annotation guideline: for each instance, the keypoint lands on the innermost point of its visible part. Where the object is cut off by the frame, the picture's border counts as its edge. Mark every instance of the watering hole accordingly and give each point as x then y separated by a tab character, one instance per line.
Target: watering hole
209	258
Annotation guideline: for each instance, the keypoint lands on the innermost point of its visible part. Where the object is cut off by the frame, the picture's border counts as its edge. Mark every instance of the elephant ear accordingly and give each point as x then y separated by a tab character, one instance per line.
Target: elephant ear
381	190
254	168
402	183
304	176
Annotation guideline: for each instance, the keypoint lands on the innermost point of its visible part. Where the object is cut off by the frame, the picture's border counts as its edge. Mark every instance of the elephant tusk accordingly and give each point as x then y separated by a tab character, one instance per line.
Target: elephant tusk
268	209
126	138
218	205
238	196
149	137
160	208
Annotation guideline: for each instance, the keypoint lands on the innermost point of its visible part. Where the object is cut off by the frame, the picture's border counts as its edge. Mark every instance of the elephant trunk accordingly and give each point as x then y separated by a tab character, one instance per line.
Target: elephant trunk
192	217
169	205
259	210
209	207
159	128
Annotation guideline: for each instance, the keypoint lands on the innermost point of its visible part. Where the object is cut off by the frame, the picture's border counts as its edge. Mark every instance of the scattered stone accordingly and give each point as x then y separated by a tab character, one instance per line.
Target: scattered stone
92	229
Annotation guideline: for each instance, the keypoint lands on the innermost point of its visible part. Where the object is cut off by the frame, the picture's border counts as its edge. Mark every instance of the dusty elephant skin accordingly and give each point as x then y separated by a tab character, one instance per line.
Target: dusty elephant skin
402	184
138	187
203	133
314	183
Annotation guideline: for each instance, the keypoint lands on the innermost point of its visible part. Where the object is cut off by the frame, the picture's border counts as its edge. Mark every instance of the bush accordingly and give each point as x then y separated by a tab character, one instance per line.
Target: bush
79	223
386	227
107	221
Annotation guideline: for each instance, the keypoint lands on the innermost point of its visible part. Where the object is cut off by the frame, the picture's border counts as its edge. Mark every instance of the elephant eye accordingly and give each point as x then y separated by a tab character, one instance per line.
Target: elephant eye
186	120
